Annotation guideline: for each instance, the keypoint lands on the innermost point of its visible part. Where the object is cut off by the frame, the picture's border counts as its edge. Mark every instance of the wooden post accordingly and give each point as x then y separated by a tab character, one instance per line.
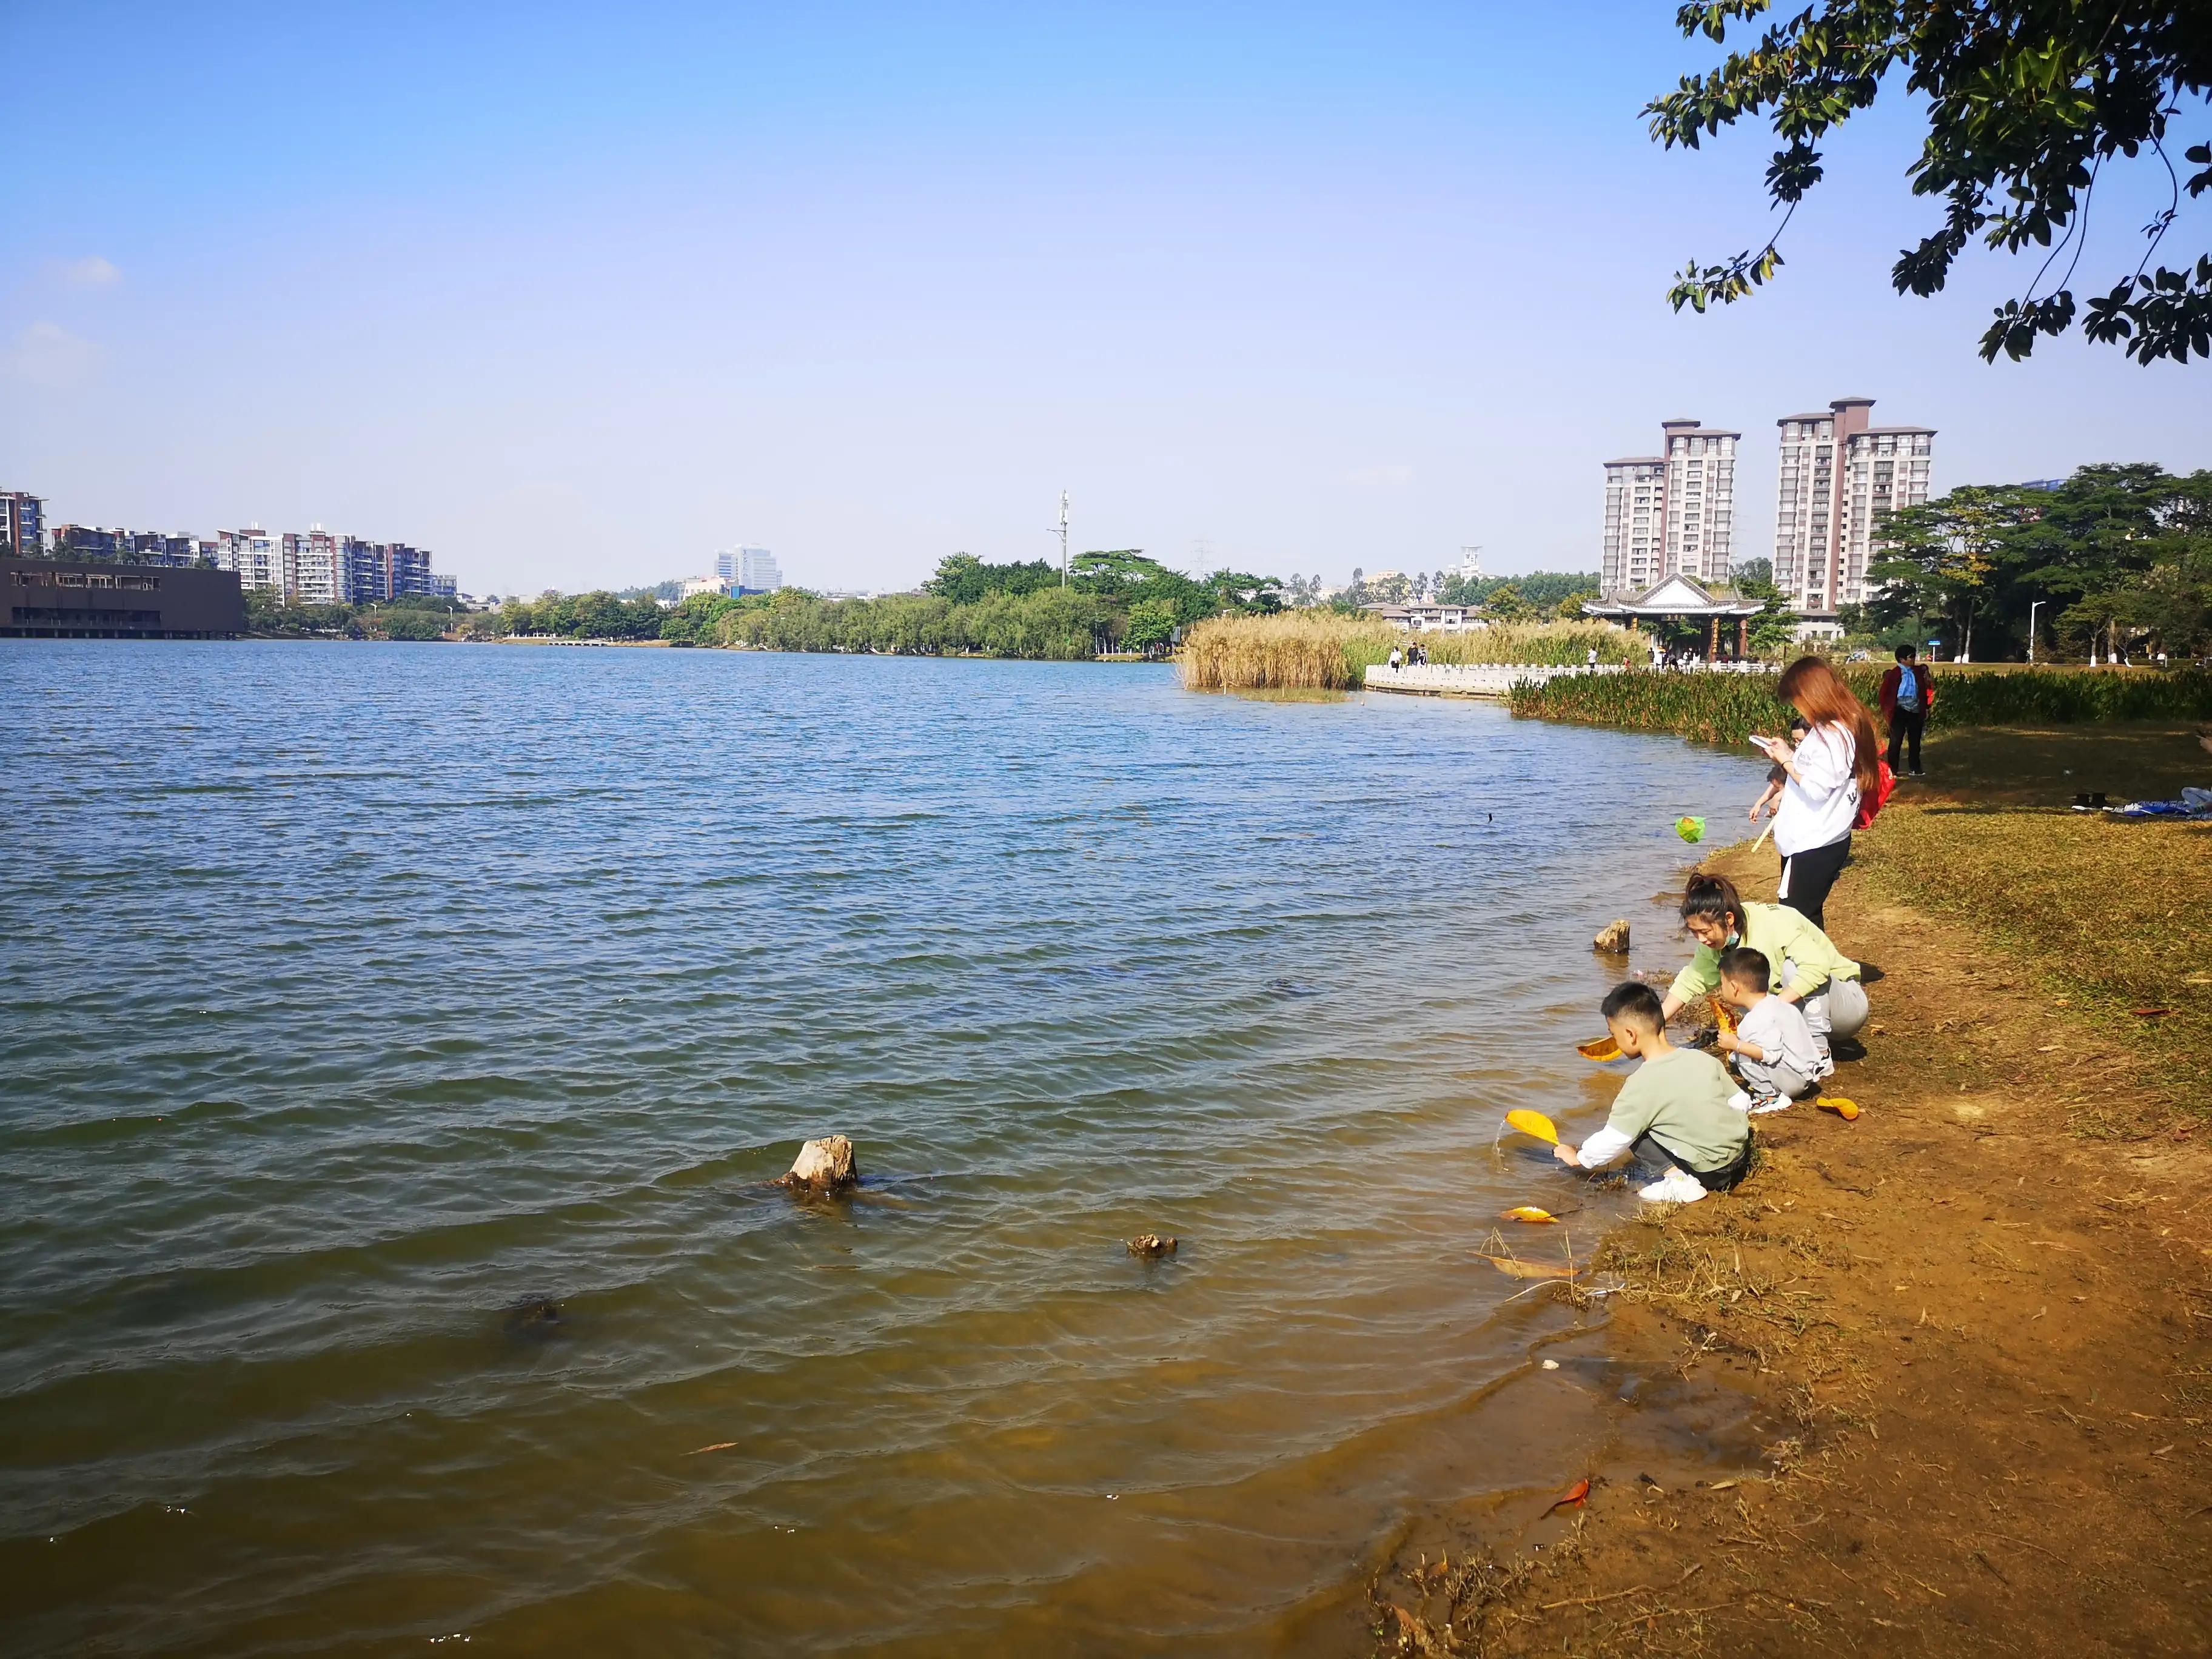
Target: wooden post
1712	638
1742	638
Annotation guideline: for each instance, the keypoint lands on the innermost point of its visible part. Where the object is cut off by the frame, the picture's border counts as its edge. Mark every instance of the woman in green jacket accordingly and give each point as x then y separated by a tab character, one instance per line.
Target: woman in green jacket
1808	970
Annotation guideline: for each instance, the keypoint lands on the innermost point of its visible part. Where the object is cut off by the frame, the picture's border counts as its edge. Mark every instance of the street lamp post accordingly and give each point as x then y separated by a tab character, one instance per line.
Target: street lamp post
2034	607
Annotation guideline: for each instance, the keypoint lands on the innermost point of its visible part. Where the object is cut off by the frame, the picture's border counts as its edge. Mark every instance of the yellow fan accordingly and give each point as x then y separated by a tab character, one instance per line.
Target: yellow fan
1532	1123
1529	1213
1599	1049
1846	1110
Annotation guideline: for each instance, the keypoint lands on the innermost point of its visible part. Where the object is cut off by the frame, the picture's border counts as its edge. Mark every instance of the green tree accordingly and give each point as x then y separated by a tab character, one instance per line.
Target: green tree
1505	603
1152	626
1775	627
964	579
2026	103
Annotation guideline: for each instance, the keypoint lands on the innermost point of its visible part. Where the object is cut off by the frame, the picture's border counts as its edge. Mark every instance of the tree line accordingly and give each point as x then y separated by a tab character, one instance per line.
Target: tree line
2117	559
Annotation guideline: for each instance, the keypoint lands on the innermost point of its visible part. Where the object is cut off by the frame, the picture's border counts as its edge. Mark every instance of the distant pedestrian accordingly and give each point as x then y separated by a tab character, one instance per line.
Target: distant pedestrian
1834	768
1590	661
1908	696
1397	659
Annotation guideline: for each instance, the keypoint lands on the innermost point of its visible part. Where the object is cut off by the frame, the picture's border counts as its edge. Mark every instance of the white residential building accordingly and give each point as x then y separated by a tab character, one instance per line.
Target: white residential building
692	586
1673	512
255	554
1840	477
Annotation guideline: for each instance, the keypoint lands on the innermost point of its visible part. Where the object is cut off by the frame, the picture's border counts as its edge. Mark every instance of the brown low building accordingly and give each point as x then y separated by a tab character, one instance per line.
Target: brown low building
71	599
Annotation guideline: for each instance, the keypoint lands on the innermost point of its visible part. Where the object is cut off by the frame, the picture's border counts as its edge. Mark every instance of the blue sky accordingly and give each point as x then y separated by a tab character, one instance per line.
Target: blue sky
574	296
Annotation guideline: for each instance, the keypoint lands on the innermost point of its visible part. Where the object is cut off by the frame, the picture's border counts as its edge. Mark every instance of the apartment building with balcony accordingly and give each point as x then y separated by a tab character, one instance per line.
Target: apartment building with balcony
1840	476
22	524
1673	512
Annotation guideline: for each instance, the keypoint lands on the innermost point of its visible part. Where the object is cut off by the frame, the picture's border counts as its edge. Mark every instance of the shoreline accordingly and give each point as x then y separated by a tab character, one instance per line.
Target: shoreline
1975	1339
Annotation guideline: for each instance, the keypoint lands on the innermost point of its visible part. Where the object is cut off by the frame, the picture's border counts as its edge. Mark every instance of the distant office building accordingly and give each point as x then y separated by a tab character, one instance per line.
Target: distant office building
757	570
1673	512
22	524
1840	477
692	586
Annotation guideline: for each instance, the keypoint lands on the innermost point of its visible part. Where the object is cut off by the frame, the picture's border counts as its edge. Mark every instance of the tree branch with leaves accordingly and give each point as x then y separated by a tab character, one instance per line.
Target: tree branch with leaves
2028	101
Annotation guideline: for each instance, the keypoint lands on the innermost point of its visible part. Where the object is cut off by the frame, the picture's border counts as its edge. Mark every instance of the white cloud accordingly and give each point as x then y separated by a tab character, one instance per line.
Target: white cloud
91	271
48	355
1388	477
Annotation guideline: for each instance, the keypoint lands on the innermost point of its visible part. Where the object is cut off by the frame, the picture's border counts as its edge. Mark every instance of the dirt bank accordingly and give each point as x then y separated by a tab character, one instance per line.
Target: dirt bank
1974	1329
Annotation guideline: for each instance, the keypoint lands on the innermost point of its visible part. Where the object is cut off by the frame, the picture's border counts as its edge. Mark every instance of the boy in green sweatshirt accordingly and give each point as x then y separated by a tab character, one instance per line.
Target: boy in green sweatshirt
1681	1111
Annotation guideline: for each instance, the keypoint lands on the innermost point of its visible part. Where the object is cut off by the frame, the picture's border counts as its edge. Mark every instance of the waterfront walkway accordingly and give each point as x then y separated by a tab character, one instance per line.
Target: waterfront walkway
1496	679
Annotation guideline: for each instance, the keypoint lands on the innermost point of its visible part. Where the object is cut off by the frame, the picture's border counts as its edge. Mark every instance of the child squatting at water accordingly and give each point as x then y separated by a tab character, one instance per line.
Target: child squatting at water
1679	1112
1772	1047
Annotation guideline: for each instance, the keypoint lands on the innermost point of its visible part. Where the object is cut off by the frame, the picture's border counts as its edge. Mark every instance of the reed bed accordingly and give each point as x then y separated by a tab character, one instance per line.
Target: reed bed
1728	707
1309	650
1324	650
1551	644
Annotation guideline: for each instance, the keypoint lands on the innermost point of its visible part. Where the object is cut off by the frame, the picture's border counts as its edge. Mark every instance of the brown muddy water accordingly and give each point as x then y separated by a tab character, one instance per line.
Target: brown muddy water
398	1040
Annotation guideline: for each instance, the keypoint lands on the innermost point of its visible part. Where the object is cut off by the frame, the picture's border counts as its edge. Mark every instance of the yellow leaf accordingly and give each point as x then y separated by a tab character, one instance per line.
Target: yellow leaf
1529	1212
1513	1268
1534	1123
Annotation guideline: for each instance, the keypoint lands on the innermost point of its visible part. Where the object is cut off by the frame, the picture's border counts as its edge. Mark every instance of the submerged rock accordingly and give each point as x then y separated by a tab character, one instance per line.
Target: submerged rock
823	1166
1612	937
1151	1244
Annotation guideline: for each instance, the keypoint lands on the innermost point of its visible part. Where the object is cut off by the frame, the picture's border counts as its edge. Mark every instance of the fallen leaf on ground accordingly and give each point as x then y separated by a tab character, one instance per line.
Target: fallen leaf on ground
1529	1212
2151	1013
1846	1110
1513	1268
1599	1049
1576	1494
719	1445
1532	1123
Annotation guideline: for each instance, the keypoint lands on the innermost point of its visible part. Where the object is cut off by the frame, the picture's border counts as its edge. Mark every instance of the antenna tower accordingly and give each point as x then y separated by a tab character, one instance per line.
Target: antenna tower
1062	533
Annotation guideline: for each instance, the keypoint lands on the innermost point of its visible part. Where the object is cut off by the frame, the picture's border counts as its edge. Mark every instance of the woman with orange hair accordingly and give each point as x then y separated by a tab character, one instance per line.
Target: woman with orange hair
1835	763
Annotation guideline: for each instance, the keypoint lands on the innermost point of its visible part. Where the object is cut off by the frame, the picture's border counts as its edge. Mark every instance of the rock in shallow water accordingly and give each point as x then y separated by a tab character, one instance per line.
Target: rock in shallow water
823	1165
1612	937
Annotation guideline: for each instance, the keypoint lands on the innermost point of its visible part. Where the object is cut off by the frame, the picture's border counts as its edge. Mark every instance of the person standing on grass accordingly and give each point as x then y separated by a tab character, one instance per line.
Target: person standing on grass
1837	763
1908	697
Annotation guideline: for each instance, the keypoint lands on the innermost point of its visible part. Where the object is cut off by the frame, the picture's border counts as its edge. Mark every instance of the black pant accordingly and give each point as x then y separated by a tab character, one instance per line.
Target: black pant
1648	1148
1810	874
1906	725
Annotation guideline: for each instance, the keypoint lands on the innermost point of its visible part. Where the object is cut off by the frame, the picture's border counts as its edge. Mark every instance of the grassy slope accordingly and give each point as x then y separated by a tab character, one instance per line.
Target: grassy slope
2114	914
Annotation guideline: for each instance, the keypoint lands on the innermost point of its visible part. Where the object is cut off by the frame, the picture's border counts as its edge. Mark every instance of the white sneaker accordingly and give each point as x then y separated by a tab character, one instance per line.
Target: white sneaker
1776	1104
1675	1187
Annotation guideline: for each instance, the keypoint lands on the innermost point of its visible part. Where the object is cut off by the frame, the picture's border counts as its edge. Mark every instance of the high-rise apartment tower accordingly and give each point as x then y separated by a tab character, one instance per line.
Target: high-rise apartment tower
1840	477
22	524
1671	512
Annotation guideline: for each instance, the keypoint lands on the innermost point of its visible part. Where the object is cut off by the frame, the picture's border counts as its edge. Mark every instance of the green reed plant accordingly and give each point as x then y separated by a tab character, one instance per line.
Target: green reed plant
1727	708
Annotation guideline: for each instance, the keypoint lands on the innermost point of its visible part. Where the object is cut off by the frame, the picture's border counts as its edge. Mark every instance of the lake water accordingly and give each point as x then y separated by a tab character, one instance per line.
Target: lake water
359	997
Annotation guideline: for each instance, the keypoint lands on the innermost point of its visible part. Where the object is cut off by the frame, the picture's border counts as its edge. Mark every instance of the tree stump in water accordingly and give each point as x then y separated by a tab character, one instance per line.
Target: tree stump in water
823	1166
1612	937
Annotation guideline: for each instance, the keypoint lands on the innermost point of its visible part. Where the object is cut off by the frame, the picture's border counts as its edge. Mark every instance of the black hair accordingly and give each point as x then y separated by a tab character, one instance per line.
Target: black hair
1714	897
1635	1004
1747	966
1799	723
1907	652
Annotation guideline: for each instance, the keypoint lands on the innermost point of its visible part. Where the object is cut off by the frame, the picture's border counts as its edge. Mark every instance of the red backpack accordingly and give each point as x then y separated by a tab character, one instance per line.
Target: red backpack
1885	786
